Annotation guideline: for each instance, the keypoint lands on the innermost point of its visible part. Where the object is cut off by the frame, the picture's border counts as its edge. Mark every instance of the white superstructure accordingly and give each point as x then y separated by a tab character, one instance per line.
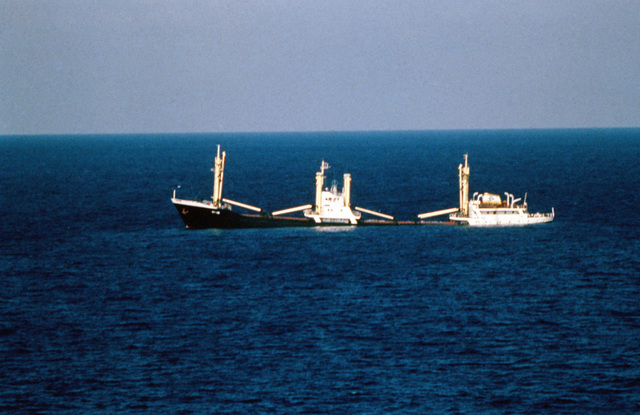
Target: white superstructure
332	206
486	209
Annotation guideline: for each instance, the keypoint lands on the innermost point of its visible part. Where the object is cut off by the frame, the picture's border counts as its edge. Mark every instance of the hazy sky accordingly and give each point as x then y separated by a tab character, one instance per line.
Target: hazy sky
216	66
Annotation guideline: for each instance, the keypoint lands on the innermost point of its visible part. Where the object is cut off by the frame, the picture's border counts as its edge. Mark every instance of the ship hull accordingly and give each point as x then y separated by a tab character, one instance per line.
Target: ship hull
494	219
202	215
199	215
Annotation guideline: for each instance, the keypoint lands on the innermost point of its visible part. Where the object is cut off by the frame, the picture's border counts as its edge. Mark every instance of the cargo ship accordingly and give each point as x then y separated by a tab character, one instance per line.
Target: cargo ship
331	208
487	209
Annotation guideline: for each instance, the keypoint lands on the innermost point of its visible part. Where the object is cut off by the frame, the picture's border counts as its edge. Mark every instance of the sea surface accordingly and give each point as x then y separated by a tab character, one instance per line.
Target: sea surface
109	305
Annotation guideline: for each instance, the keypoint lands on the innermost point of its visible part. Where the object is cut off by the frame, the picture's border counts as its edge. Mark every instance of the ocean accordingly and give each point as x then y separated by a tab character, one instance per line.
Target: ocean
109	305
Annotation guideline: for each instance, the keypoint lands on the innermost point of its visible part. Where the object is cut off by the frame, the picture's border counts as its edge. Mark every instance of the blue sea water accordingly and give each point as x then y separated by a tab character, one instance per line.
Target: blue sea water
108	304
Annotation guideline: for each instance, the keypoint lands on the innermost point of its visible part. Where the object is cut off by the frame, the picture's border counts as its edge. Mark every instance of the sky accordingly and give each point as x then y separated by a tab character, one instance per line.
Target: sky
143	66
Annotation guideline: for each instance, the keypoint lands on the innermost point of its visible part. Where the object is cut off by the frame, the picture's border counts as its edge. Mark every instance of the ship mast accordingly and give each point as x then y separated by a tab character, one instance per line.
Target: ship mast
319	184
346	189
218	176
463	175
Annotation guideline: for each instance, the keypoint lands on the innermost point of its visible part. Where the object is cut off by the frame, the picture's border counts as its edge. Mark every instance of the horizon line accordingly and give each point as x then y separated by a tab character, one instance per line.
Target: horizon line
249	132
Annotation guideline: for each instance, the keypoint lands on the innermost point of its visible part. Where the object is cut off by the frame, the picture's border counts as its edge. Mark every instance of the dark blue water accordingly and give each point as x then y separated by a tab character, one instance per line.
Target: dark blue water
107	304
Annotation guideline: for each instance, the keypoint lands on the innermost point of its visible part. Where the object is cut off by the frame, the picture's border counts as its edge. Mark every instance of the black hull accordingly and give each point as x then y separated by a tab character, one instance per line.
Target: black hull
195	217
204	217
